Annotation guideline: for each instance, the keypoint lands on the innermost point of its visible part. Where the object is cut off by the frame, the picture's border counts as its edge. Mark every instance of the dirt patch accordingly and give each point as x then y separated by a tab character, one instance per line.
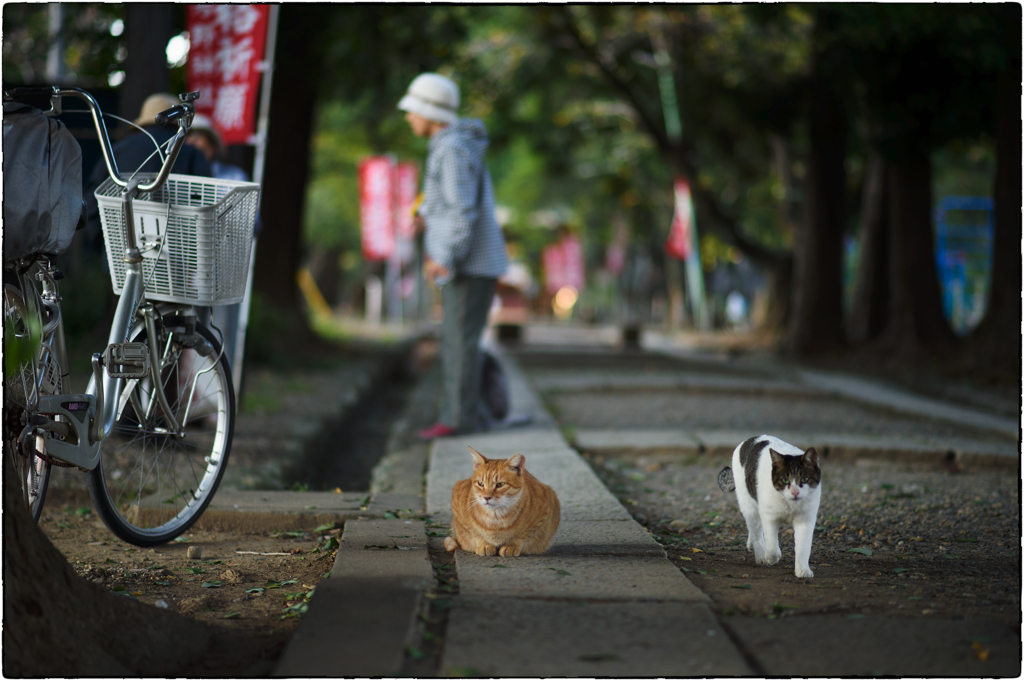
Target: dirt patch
251	588
891	539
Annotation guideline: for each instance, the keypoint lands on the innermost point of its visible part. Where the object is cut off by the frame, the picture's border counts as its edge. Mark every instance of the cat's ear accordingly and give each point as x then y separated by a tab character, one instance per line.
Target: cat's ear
776	457
516	463
811	456
478	458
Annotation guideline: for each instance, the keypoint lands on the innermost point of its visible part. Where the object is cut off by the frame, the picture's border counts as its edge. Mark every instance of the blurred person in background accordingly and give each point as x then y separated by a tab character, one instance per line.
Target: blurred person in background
465	250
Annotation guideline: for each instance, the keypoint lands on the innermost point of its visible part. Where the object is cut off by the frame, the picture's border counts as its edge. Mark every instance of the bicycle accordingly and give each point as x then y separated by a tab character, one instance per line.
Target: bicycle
153	430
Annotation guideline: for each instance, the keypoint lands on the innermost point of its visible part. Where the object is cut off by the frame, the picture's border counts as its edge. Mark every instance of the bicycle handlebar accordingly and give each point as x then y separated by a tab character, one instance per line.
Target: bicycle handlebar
182	113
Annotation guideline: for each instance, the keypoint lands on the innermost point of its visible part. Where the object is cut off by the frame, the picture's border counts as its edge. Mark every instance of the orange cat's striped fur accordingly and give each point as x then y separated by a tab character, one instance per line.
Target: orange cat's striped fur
502	509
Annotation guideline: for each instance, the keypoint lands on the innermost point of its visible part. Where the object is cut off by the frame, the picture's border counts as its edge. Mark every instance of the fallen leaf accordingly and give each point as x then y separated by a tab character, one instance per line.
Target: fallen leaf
232	615
231	577
981	652
865	552
212	585
684	558
748	587
694	549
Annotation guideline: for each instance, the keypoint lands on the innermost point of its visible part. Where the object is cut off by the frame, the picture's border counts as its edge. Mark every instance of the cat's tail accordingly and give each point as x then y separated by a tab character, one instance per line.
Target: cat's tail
726	481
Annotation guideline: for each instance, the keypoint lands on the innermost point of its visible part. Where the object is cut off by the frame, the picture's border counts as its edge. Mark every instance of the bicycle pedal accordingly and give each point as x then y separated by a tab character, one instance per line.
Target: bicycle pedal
127	360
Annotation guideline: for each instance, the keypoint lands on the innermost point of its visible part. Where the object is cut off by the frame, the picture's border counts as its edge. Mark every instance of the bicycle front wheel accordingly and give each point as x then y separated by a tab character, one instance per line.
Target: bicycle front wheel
152	483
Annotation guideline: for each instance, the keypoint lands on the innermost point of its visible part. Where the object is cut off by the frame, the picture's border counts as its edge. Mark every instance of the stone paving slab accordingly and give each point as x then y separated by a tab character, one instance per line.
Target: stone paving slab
392	549
276	511
835	446
355	627
626	578
877	394
619	440
577	381
581	495
510	637
603	538
878	646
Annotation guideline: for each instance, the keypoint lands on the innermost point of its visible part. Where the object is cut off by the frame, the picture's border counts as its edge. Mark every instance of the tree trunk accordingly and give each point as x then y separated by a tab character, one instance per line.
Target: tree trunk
288	156
915	320
58	624
995	346
870	298
147	29
816	315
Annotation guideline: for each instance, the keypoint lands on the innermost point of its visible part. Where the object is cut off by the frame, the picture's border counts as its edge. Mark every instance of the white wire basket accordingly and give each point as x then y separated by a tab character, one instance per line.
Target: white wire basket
195	235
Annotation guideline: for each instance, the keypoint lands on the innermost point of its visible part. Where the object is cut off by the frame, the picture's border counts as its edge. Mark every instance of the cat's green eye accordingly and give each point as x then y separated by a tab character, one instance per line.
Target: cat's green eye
480	483
804	480
498	484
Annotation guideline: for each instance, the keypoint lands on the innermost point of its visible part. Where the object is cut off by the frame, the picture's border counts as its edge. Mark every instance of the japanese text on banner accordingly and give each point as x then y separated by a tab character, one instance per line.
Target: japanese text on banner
226	47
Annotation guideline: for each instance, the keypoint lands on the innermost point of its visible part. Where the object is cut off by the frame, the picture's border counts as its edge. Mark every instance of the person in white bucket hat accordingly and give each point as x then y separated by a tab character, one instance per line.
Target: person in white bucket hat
433	97
465	249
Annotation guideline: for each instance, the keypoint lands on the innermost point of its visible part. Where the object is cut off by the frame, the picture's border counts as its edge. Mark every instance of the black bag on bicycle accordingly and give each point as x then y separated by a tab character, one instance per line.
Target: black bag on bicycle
42	183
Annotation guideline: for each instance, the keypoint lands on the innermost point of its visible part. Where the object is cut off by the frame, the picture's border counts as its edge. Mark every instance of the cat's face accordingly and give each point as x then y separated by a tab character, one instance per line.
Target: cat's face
496	483
795	476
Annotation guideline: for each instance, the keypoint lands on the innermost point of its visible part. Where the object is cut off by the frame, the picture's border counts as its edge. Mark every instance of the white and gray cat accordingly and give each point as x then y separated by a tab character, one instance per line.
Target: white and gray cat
778	484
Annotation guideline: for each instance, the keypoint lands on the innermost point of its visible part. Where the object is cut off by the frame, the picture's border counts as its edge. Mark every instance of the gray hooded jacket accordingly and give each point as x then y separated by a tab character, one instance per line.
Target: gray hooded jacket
458	203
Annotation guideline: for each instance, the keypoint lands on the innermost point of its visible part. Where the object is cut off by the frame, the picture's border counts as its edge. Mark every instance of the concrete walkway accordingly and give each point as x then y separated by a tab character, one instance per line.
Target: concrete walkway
604	600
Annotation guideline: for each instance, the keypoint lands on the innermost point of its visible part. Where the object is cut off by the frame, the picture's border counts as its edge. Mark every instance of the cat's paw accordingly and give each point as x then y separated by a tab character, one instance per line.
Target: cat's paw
772	557
510	551
451	545
485	550
804	572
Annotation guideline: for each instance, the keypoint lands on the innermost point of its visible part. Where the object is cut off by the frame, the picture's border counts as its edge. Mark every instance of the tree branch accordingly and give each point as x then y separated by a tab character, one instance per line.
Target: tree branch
721	223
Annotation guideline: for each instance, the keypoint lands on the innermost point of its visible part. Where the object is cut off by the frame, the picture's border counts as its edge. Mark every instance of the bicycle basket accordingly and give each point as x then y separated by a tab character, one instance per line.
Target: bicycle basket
195	235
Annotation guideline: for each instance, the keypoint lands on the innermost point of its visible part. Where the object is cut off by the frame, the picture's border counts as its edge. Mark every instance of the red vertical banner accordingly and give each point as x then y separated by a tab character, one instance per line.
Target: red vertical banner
408	188
572	256
226	48
563	265
378	192
680	239
553	262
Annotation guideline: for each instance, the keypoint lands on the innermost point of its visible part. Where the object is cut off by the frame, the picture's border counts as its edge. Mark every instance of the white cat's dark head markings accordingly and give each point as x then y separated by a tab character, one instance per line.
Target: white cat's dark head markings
801	470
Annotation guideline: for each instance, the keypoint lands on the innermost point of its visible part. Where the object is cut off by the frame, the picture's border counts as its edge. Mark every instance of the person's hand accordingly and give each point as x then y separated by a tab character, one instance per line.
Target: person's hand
432	270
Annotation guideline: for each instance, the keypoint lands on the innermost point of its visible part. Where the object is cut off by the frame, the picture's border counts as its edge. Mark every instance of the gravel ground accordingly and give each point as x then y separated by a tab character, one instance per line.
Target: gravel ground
891	538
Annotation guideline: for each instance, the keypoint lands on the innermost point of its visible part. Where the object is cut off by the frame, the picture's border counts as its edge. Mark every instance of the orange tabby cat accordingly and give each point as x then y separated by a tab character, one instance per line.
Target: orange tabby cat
502	509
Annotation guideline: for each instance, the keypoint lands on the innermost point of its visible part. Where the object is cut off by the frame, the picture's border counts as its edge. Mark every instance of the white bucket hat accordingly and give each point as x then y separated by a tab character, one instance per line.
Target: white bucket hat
432	96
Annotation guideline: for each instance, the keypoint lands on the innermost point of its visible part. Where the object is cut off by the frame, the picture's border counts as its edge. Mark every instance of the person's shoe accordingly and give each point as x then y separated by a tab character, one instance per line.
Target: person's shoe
436	430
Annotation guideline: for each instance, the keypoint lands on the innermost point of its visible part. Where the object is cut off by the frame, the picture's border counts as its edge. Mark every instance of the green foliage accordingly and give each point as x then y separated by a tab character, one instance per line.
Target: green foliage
21	343
90	52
